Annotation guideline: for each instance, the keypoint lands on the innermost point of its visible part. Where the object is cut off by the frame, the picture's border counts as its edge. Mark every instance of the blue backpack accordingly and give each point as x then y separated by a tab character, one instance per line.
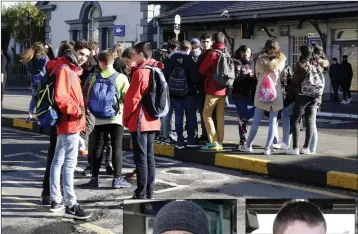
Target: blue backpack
47	111
104	98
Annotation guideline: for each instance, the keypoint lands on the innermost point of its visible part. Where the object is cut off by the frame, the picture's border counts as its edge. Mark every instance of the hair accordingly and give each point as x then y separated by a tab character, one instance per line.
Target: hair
81	44
127	53
106	57
306	53
173	44
196	45
219	37
117	50
334	59
205	36
345	57
272	49
120	66
298	211
242	48
50	53
93	45
65	46
145	48
185	45
36	51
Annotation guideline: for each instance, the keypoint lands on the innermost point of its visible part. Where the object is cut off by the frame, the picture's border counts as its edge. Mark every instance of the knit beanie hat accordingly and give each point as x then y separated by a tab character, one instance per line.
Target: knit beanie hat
181	216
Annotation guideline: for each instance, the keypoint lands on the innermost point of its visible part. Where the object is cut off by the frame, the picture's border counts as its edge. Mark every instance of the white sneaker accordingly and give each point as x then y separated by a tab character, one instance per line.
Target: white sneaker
245	148
293	151
269	151
276	146
305	151
343	102
349	100
284	146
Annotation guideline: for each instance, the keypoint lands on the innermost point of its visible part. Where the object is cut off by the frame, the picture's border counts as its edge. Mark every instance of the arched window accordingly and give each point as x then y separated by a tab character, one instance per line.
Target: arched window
93	24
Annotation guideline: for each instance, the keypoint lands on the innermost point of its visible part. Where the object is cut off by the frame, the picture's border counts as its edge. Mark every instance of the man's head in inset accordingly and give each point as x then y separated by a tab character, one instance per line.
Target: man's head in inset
181	217
299	217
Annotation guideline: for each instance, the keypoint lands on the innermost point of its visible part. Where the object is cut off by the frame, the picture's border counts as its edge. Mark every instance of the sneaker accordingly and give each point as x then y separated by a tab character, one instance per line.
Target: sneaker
158	139
242	141
45	199
305	151
343	102
214	146
150	196
118	183
276	146
76	212
168	141
349	100
135	196
179	145
56	207
93	183
109	170
269	151
245	148
203	139
293	151
284	146
221	147
87	171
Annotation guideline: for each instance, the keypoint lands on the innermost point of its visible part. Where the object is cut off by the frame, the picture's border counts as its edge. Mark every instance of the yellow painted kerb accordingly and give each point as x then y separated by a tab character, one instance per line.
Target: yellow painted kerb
342	180
242	163
164	150
22	124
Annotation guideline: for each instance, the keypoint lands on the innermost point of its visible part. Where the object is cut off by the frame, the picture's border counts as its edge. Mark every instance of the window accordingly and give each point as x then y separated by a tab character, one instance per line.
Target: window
296	43
93	24
108	38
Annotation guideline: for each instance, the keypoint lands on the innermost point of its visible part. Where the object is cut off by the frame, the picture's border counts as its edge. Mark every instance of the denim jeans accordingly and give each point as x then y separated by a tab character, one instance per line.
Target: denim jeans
286	123
244	113
50	155
65	154
34	90
259	114
186	105
166	122
313	145
143	155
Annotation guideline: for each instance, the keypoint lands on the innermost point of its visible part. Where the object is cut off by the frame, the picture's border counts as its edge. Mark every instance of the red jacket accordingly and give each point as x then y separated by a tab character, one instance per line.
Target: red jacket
139	85
208	67
68	97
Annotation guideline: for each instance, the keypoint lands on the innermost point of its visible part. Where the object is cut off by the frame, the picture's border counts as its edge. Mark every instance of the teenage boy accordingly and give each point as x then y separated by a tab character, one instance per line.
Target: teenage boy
69	100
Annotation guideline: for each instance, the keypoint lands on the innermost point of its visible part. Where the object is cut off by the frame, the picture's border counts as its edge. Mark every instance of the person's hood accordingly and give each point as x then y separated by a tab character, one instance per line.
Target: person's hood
195	40
218	46
176	52
152	63
53	64
273	64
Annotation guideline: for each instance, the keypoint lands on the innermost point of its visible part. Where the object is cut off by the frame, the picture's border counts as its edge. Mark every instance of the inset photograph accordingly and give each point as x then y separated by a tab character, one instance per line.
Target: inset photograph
179	217
298	216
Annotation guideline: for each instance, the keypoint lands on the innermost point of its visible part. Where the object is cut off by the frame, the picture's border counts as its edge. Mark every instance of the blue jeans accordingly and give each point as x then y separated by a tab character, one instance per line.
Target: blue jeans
313	145
286	123
259	114
187	105
65	154
166	121
34	90
244	113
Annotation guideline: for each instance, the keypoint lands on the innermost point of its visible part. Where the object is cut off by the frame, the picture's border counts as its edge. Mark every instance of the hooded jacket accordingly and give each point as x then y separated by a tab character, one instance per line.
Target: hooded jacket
190	67
346	72
68	96
243	80
139	85
274	67
334	72
37	65
208	67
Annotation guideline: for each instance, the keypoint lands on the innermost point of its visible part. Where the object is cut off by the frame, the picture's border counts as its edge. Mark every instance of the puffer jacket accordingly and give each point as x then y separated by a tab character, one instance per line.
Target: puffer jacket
274	67
243	79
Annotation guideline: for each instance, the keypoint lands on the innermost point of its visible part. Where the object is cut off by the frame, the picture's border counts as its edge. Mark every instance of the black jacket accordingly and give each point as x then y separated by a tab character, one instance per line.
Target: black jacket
190	68
334	72
286	81
345	72
243	83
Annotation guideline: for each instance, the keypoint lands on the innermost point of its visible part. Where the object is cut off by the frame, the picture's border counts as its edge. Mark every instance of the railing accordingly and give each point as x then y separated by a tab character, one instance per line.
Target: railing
17	73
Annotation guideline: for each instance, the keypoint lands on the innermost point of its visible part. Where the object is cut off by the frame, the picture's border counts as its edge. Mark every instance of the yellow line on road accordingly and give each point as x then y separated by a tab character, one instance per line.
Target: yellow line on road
24	202
21	123
242	163
341	179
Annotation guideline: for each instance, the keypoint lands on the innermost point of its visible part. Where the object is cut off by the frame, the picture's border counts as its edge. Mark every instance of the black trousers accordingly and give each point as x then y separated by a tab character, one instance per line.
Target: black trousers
92	149
101	133
335	87
143	153
50	156
307	106
346	86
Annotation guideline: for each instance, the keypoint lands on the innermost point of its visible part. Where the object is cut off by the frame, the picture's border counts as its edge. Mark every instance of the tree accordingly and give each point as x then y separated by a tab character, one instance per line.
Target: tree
15	21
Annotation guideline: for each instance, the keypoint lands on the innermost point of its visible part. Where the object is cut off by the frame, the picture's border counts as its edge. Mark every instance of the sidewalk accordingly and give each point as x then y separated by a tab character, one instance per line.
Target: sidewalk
338	168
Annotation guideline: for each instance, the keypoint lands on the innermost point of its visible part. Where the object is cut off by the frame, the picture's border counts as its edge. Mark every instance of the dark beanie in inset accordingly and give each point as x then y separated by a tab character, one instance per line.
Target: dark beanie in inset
181	216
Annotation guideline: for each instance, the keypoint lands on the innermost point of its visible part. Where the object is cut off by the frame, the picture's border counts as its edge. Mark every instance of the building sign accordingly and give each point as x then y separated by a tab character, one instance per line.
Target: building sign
119	30
313	38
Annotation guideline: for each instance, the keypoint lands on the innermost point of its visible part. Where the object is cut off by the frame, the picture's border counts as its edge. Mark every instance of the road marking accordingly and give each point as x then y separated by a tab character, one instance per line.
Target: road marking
341	179
24	202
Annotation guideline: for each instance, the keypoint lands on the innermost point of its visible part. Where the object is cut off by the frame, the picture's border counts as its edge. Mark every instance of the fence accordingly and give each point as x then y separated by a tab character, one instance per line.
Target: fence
17	74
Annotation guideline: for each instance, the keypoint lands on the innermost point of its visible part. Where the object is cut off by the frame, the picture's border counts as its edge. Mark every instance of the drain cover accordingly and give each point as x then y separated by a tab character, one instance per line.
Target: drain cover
176	172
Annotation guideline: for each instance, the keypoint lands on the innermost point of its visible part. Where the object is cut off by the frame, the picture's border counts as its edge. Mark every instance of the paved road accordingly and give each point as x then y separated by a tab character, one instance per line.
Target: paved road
23	164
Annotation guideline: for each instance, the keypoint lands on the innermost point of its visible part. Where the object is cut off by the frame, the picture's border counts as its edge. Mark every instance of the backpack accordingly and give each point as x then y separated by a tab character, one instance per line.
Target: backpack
104	98
313	83
47	111
225	70
178	82
267	90
156	100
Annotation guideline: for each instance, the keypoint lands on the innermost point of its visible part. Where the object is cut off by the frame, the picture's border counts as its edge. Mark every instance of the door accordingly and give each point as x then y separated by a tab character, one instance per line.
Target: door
352	53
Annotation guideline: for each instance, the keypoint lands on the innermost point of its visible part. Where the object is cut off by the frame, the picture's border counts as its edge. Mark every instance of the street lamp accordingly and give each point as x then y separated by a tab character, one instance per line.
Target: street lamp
28	23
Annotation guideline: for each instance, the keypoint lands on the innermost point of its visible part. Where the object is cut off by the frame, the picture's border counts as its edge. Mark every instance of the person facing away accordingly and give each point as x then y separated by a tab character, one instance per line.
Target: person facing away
69	100
346	73
335	77
181	73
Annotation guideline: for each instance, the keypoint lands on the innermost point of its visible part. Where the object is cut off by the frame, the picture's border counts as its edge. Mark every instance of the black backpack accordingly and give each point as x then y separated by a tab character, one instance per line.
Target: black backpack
156	100
178	81
225	70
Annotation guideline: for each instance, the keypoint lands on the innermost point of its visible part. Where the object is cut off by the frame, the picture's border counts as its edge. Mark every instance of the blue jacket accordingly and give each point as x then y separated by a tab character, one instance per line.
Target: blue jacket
37	67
